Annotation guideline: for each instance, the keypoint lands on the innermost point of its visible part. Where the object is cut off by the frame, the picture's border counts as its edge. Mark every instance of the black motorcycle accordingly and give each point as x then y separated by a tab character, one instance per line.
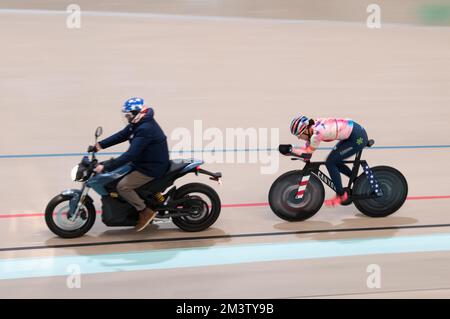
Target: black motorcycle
192	207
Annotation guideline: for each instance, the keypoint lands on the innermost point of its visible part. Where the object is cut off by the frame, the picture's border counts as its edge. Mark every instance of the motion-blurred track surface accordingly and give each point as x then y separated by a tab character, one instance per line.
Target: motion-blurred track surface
58	84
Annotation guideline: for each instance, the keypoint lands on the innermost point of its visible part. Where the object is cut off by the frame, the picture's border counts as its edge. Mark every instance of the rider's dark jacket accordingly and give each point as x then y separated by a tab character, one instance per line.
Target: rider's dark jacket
148	151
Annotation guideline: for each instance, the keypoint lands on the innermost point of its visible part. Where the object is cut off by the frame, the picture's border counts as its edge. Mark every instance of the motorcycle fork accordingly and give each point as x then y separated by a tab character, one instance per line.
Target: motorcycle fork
79	203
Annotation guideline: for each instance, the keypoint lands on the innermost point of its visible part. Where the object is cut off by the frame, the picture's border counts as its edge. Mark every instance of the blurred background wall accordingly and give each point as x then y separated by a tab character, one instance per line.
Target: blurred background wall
425	12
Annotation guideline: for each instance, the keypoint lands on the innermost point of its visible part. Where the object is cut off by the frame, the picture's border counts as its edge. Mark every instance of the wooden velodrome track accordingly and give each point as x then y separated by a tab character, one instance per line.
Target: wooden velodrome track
57	85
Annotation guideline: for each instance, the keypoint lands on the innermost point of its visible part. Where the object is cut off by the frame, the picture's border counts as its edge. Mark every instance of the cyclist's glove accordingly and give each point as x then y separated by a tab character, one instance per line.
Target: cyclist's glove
285	149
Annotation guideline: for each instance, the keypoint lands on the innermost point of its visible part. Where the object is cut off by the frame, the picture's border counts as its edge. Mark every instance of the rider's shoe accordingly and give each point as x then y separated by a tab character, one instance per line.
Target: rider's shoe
145	218
337	200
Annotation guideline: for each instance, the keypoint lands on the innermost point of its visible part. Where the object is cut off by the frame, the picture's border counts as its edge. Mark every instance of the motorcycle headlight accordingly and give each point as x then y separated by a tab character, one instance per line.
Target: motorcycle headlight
73	173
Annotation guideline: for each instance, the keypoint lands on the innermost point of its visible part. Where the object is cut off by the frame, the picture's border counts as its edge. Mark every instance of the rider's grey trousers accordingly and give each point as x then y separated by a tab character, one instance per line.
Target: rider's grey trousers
126	188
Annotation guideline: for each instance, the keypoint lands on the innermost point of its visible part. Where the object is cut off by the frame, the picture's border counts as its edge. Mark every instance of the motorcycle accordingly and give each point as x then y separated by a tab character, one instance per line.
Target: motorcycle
193	207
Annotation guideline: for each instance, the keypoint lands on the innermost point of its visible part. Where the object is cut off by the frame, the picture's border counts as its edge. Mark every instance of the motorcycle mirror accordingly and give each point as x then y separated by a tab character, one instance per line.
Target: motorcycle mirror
98	132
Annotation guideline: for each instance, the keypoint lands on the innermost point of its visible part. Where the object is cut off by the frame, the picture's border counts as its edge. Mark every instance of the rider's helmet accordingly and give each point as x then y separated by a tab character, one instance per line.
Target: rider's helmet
299	124
132	107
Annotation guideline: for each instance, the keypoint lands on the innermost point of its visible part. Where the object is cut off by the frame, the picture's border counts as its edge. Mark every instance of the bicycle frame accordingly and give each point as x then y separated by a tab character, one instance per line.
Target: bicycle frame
314	168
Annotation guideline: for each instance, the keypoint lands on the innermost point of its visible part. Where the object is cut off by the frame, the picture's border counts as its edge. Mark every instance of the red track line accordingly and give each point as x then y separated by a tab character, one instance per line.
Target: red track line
225	206
244	205
427	197
20	215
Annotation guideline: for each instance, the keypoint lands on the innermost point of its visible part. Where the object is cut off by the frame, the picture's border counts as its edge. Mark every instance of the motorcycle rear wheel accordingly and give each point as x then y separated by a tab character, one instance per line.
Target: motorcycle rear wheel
205	204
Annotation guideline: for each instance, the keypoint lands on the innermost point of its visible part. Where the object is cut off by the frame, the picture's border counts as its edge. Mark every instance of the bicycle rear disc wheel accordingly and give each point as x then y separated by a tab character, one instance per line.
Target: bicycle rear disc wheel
393	185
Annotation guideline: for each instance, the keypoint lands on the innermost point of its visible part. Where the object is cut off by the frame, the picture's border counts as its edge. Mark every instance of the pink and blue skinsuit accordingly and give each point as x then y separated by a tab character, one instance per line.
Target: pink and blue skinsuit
352	138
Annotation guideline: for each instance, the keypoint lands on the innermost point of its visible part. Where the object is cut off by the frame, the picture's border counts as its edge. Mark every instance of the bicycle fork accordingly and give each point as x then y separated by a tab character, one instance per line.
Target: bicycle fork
304	180
303	183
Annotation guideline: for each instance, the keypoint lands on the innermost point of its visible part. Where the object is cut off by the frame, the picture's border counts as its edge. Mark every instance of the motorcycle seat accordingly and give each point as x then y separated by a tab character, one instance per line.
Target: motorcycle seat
176	167
179	164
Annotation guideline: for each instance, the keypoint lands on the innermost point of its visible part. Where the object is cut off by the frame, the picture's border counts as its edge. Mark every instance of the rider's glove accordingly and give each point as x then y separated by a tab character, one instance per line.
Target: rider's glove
285	149
92	149
99	169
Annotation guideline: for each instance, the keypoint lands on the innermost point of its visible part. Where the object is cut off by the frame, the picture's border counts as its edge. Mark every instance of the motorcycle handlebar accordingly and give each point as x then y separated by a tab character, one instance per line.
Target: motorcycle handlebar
92	149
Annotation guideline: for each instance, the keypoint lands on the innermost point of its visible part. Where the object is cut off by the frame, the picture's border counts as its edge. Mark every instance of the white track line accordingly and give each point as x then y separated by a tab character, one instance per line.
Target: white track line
182	17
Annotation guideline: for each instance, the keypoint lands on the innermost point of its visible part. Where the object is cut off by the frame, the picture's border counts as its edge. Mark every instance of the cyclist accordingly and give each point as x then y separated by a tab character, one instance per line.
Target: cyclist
352	138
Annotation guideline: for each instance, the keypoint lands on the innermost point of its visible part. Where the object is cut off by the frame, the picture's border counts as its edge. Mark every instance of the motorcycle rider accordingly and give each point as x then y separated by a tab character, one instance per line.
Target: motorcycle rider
148	153
352	138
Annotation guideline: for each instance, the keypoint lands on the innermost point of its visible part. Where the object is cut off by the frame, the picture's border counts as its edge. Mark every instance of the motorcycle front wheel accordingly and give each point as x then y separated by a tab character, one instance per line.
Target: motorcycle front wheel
59	222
